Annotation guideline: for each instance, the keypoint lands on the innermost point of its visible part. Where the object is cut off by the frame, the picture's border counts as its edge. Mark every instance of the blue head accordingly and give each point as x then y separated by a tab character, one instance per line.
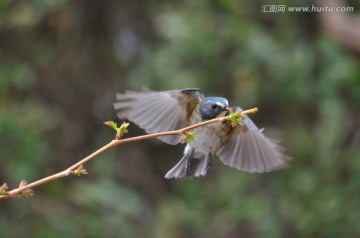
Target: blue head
211	107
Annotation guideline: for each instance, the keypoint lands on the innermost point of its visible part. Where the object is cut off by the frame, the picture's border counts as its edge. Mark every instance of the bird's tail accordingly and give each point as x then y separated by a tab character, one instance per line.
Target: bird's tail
189	166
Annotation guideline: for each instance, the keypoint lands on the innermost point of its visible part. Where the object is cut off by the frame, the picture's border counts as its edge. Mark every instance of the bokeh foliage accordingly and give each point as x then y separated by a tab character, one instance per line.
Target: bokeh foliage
61	63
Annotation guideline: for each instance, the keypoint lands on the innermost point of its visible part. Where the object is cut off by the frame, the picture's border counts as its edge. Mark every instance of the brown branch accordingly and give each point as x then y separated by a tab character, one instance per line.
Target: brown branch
75	169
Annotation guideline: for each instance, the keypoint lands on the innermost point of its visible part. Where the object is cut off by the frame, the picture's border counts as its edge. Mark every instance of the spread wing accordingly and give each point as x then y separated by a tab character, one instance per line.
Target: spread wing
159	111
249	150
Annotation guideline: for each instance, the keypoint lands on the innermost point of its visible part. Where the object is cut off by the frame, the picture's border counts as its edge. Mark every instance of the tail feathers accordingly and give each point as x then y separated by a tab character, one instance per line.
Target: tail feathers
189	167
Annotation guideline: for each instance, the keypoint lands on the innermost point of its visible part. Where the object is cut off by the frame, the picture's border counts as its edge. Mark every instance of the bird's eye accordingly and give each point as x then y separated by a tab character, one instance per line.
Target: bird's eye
214	106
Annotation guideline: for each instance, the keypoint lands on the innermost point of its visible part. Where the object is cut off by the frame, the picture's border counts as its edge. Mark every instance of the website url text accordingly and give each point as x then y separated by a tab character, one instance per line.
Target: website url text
312	8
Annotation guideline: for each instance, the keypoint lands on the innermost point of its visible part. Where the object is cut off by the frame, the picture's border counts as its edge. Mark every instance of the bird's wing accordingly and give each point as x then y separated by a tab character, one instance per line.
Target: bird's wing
159	111
249	150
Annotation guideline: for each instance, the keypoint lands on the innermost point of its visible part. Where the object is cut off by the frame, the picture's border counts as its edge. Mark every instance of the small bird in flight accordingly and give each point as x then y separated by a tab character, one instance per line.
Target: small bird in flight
243	147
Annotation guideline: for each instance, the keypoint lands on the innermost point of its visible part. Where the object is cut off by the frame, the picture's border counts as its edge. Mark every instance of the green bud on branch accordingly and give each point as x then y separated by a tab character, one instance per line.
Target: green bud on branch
80	171
189	136
119	130
27	192
3	189
235	117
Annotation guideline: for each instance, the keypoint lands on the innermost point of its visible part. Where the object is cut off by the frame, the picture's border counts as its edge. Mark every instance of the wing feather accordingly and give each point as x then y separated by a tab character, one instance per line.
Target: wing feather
158	111
248	149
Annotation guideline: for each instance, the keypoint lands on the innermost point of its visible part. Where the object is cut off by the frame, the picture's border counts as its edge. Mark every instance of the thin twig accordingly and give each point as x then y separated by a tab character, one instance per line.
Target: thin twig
71	170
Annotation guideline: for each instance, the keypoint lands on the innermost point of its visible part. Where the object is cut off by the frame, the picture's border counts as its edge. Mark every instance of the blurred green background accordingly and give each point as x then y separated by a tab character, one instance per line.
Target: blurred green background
62	61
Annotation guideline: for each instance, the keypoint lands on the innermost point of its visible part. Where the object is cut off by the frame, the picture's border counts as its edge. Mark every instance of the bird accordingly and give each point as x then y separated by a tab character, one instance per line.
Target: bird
243	147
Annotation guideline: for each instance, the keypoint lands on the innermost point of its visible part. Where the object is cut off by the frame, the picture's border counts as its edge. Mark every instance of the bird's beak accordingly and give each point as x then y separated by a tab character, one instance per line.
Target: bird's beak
228	111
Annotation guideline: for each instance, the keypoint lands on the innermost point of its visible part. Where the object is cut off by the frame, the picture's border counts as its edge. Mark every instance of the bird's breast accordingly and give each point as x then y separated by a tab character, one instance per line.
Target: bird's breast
209	138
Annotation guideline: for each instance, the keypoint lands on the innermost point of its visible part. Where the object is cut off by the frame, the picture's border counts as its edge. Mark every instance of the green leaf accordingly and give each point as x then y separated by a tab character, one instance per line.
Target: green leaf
3	189
189	136
119	130
80	171
27	192
123	128
235	119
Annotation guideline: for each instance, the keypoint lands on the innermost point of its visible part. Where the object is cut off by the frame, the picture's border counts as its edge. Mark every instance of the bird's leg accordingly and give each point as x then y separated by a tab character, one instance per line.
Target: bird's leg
187	166
188	163
208	164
